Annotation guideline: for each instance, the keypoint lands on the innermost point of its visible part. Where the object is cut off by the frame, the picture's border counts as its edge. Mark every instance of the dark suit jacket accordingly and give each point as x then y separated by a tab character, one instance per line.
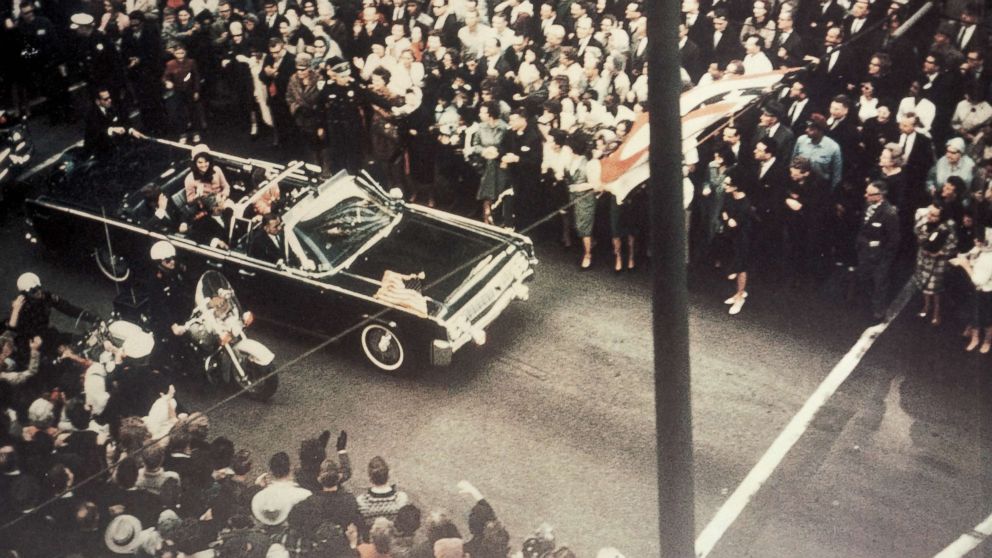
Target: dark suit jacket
701	29
147	48
592	43
846	134
166	225
362	44
767	192
692	60
728	48
815	20
206	229
449	31
978	40
783	136
878	238
799	124
95	140
264	249
503	65
637	59
916	166
826	82
264	30
404	18
794	47
284	71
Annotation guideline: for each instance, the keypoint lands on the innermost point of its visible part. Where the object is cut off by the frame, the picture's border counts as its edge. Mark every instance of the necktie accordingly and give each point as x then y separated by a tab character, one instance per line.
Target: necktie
961	38
793	111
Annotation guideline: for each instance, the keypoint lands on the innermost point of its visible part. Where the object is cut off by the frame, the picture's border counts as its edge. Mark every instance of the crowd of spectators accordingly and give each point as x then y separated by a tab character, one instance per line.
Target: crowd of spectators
476	100
89	469
879	149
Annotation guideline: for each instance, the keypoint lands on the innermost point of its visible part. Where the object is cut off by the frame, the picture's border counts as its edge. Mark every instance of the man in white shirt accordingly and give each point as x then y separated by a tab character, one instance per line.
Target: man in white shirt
612	36
923	108
501	28
473	35
755	61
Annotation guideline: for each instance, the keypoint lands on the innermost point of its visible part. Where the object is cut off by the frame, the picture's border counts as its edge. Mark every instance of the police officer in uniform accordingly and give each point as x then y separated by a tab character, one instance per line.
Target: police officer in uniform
31	311
169	297
877	245
41	51
343	100
99	58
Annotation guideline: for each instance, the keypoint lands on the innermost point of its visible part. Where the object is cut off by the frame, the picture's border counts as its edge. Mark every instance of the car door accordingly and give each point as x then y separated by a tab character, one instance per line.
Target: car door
198	258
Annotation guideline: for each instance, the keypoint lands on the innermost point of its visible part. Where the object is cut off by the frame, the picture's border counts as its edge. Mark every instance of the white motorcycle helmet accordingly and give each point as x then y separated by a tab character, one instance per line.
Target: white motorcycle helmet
27	282
161	250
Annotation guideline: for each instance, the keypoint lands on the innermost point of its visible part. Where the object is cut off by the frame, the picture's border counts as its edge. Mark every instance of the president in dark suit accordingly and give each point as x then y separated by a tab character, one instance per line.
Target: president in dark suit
157	213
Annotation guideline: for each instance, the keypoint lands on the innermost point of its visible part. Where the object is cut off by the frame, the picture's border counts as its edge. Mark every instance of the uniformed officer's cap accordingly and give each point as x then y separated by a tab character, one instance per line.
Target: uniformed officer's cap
80	20
339	65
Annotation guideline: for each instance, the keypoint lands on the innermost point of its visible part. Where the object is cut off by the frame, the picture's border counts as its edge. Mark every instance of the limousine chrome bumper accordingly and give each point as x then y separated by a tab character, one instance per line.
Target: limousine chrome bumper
471	321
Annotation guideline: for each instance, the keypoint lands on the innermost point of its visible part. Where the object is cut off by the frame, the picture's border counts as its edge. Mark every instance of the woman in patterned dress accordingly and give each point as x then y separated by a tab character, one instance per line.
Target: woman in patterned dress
937	245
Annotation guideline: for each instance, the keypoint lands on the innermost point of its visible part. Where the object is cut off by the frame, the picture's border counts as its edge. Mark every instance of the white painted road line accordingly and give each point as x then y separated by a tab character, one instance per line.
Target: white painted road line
968	541
35	169
773	457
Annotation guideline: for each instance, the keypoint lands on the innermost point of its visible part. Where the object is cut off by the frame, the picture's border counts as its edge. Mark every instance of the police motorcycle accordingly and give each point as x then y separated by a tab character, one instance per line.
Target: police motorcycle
216	334
15	148
118	351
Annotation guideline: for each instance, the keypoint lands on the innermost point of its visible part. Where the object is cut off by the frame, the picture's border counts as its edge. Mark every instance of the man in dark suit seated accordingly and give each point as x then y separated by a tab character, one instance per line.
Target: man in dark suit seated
158	213
212	230
269	242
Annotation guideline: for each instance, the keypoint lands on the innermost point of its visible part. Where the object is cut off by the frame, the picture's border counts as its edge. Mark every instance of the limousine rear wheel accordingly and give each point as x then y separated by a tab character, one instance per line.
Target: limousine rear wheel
116	268
383	347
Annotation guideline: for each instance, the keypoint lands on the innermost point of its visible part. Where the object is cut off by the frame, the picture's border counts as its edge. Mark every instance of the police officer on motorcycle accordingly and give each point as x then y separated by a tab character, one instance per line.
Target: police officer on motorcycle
30	315
168	295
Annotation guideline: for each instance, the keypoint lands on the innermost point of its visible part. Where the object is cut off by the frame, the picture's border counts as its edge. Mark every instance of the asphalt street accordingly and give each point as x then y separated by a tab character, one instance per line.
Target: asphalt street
553	418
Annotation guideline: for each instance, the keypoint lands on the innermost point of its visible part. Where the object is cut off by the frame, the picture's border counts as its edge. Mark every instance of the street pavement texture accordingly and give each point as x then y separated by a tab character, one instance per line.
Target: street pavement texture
553	418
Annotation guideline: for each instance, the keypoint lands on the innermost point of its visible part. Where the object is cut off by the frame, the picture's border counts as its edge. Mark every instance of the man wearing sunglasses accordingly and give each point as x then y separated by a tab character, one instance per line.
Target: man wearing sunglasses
30	315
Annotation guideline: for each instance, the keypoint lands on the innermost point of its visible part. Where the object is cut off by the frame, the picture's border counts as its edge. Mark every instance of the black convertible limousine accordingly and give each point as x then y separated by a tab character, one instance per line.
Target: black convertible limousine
422	283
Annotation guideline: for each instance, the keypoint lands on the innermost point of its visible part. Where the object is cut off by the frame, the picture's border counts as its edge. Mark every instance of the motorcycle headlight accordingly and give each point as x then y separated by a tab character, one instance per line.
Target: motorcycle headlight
16	136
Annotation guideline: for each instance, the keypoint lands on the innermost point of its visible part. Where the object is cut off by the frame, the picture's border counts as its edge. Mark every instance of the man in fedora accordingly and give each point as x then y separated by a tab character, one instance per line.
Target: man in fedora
122	535
272	504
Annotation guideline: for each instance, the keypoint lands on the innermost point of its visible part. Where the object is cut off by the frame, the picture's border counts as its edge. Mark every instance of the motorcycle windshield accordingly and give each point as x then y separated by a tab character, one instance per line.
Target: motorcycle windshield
213	285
